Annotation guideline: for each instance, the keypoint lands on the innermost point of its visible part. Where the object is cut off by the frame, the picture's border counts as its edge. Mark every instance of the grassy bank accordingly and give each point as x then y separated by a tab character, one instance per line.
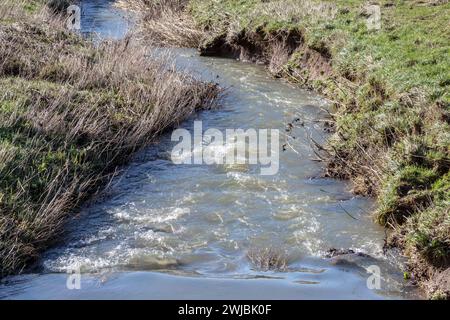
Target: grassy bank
70	114
390	88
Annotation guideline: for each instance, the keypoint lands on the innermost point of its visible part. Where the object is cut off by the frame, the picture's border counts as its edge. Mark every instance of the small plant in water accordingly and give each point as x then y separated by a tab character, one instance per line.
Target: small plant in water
266	259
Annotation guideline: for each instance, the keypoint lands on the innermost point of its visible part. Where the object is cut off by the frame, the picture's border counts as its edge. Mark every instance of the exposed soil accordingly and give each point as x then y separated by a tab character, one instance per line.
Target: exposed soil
273	50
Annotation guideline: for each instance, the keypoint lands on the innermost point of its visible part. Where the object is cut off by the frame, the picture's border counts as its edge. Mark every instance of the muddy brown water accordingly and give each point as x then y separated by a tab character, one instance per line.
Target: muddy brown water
169	231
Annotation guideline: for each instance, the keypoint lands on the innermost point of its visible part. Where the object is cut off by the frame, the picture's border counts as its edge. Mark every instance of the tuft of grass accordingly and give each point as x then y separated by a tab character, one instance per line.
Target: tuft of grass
407	192
266	259
428	231
71	113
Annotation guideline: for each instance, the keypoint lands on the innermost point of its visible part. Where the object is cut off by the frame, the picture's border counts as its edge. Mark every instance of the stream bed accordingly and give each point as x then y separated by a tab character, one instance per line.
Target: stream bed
180	231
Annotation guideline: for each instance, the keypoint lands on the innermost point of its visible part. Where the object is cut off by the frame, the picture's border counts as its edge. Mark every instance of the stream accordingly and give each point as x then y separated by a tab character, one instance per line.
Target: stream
180	231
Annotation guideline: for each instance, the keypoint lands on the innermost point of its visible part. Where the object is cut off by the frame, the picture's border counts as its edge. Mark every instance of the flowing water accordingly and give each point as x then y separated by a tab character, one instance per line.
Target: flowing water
184	231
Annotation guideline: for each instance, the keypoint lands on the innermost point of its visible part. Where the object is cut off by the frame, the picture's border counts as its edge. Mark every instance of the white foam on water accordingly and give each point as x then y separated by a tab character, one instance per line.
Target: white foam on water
83	263
153	215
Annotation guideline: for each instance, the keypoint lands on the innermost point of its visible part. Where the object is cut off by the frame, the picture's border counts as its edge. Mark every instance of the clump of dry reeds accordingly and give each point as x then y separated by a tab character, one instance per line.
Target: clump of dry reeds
280	54
165	22
266	259
70	114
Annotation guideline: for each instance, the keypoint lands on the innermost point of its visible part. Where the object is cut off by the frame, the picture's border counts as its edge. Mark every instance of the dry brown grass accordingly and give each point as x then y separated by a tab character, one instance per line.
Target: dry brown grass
71	113
165	23
266	259
295	10
280	54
